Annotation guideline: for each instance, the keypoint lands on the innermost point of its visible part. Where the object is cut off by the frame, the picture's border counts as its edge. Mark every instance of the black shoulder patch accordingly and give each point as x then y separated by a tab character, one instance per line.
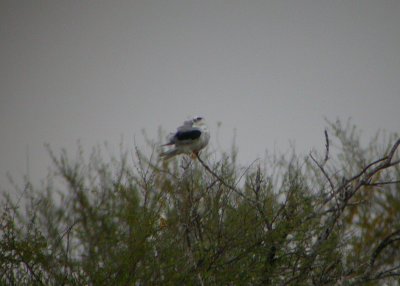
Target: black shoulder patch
186	135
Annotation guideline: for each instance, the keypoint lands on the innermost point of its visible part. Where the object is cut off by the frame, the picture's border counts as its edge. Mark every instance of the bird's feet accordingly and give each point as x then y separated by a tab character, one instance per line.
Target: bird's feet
195	154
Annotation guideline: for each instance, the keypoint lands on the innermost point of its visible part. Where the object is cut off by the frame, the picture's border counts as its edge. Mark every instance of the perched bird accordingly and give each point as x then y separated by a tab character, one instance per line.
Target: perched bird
189	138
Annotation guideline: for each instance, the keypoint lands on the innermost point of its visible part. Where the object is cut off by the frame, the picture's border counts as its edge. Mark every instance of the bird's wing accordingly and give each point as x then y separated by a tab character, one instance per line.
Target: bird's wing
172	137
184	135
187	136
191	134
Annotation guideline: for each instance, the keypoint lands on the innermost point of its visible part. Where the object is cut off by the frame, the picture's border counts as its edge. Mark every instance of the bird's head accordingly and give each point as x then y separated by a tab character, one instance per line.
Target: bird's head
198	121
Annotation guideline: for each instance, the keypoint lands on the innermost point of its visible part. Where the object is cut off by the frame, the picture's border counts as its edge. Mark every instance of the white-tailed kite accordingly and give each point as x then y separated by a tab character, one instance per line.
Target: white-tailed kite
189	138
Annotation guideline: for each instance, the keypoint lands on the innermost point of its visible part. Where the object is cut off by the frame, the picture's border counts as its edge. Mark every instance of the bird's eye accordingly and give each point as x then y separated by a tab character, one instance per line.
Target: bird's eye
198	118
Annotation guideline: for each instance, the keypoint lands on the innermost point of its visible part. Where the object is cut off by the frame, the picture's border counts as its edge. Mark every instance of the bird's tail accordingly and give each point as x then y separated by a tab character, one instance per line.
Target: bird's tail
169	154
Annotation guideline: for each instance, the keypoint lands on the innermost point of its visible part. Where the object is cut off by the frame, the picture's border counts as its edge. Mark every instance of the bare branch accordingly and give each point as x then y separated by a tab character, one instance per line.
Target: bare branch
368	172
388	273
383	183
365	169
393	150
326	147
381	275
221	180
384	243
321	167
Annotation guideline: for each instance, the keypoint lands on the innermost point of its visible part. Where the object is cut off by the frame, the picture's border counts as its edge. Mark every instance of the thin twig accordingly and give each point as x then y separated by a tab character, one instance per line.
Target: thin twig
222	181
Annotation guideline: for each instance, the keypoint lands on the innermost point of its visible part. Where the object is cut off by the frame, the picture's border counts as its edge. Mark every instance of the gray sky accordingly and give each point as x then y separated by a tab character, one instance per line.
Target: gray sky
99	70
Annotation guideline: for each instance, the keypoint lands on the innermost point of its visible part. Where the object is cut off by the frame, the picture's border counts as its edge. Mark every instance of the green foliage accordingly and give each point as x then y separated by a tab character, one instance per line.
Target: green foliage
137	220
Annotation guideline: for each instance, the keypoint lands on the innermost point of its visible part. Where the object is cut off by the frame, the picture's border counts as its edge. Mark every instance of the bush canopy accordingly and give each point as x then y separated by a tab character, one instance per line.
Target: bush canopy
329	218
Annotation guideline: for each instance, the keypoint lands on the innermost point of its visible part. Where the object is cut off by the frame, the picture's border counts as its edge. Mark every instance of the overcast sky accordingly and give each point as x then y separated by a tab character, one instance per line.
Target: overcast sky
272	70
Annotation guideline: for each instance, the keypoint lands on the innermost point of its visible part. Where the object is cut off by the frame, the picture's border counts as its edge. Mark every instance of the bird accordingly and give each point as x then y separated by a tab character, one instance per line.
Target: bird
189	138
